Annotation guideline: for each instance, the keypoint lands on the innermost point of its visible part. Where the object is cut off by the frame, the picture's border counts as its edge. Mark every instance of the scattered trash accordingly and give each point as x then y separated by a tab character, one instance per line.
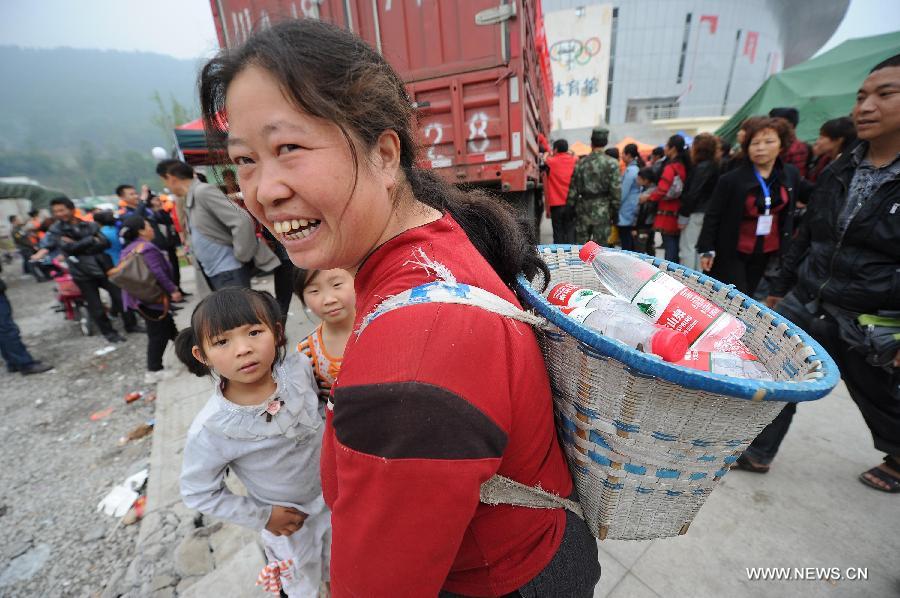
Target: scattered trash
151	396
104	350
118	501
121	498
139	432
133	396
39	402
136	512
97	415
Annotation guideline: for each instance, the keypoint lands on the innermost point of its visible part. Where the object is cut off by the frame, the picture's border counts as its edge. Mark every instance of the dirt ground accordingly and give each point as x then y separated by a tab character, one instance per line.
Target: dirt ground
58	462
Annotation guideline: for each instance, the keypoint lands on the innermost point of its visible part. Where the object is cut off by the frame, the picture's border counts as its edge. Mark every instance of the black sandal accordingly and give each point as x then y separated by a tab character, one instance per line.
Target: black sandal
747	465
892	481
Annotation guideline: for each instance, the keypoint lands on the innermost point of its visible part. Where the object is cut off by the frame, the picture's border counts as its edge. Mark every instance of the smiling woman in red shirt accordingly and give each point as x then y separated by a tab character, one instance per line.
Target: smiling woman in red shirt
433	399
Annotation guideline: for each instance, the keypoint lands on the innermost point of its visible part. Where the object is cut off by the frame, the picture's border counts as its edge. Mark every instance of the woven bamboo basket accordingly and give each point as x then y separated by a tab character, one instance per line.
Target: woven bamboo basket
647	441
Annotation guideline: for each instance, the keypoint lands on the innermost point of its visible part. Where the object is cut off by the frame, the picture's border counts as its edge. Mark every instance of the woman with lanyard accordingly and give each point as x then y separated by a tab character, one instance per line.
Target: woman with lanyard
750	216
432	399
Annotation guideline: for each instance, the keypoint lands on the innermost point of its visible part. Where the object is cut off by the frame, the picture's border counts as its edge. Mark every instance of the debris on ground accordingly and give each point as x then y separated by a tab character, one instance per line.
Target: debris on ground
139	432
98	415
104	350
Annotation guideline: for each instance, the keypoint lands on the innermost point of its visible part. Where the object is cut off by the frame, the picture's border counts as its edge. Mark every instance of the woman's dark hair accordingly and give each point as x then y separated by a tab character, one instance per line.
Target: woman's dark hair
649	174
612	152
332	74
704	148
753	126
132	225
658	151
676	142
302	278
105	218
839	128
223	310
631	149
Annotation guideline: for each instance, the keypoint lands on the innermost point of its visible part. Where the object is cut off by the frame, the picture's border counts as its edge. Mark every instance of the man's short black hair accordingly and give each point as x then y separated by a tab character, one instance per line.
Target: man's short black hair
176	168
62	201
560	146
887	63
120	190
33	213
658	151
599	139
13	218
789	114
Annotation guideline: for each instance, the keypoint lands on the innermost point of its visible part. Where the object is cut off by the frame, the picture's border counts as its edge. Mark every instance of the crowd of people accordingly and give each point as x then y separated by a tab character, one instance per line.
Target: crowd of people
364	453
812	230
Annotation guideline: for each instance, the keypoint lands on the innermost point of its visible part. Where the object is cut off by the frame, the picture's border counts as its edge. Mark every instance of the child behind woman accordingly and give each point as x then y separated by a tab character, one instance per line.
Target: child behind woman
329	294
262	423
645	241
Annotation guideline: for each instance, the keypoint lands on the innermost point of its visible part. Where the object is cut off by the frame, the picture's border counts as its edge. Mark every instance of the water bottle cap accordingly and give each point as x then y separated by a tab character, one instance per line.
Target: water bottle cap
589	251
669	345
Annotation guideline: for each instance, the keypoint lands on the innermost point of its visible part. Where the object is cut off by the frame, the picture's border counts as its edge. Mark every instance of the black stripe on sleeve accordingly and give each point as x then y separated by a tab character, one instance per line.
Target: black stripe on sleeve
413	420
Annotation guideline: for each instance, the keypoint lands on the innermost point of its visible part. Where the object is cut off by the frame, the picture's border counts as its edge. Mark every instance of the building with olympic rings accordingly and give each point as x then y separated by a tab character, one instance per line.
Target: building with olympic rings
628	63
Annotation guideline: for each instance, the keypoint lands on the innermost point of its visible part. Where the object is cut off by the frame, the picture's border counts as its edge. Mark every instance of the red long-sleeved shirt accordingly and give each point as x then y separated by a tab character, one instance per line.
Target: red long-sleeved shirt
432	400
556	186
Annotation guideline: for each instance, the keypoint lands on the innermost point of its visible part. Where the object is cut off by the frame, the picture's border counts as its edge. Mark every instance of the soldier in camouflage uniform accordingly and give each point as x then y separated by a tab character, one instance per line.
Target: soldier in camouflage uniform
595	191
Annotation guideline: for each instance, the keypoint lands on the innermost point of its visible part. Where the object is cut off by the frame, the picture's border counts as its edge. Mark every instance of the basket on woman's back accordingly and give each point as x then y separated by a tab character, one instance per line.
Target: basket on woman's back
647	441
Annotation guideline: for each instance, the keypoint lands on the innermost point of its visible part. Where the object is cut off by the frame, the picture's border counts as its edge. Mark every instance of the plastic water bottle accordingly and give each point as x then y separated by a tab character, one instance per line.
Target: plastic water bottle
615	318
726	364
665	301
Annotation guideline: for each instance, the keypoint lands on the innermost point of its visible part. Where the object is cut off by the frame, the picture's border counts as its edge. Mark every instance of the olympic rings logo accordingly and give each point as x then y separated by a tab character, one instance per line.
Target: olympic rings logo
572	51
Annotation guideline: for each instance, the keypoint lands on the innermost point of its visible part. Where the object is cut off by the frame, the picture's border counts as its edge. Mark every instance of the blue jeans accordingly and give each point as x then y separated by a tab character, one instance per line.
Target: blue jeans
12	349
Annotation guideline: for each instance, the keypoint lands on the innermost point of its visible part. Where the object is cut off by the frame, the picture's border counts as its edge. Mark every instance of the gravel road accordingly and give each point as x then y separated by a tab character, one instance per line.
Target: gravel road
58	462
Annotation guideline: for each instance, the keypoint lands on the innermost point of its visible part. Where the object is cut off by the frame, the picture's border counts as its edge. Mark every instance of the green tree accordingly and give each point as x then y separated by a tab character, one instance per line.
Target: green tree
167	118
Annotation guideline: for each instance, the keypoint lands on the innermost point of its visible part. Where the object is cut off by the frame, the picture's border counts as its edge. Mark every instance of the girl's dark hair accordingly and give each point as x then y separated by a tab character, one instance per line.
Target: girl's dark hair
836	128
331	73
223	310
704	148
677	143
649	173
105	218
132	225
302	278
632	150
612	152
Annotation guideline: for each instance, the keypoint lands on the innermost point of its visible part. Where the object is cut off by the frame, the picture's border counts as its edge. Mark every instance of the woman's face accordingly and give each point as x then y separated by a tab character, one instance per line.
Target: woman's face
146	232
296	173
627	158
764	147
826	146
671	152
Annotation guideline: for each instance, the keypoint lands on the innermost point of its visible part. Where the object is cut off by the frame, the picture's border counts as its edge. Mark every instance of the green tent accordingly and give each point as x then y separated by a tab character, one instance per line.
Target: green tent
821	88
40	196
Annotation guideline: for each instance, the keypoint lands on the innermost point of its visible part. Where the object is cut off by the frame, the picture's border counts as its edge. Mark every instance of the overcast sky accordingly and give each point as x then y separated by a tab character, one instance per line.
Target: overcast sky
184	28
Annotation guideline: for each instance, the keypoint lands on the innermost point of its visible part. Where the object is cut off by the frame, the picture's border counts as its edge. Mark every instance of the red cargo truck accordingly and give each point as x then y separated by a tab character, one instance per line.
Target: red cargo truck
477	70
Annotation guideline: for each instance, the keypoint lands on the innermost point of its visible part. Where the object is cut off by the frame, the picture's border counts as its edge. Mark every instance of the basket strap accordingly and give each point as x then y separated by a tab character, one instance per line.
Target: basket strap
498	489
452	292
502	490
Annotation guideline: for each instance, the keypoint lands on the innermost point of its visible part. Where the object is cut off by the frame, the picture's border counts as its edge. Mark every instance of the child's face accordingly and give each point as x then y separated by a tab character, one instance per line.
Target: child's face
244	354
330	295
642	181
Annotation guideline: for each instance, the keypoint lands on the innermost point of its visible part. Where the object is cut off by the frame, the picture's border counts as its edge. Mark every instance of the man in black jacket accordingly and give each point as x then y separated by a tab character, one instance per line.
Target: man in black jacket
844	262
12	349
83	245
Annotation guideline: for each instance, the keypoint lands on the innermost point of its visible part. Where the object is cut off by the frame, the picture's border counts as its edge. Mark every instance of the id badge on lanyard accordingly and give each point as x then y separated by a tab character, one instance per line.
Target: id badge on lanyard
764	222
